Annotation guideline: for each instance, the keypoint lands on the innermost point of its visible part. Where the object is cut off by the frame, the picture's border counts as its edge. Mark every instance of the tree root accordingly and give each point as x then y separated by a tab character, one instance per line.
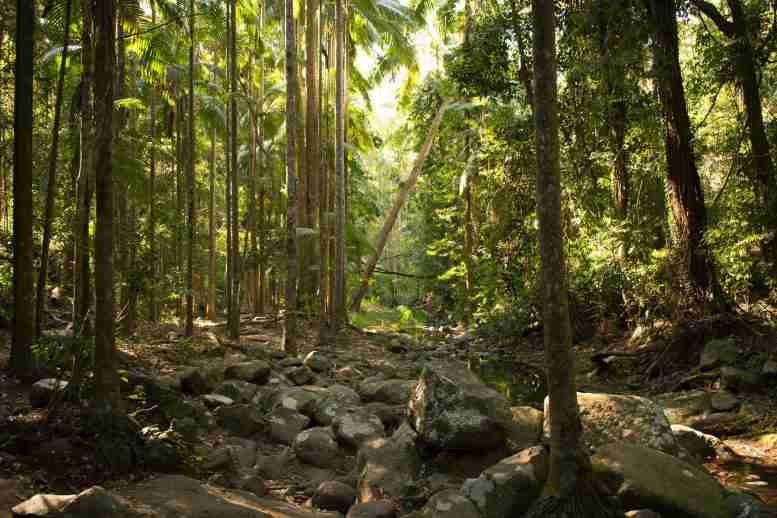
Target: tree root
583	504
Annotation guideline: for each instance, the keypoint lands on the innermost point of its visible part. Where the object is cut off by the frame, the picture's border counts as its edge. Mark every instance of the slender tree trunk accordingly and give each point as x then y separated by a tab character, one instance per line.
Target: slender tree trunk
290	320
124	227
262	261
210	308
191	219
312	137
228	172
323	227
153	313
686	197
23	285
252	277
340	116
106	379
399	202
234	316
52	180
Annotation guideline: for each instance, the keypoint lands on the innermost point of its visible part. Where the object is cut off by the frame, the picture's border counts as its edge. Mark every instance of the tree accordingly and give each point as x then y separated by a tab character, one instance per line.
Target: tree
686	197
106	378
290	320
234	245
569	491
23	285
191	223
338	302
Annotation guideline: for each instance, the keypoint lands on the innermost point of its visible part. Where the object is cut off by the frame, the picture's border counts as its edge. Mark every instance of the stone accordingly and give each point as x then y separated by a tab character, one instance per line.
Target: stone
451	409
343	394
216	400
43	390
644	478
449	503
317	362
718	352
300	375
300	399
610	417
769	369
217	459
724	401
738	380
194	382
273	467
685	407
356	426
242	420
509	487
642	513
242	450
327	410
90	503
392	416
284	424
290	362
742	505
10	495
376	509
334	496
526	426
238	390
256	371
392	392
160	450
253	484
385	466
700	446
317	446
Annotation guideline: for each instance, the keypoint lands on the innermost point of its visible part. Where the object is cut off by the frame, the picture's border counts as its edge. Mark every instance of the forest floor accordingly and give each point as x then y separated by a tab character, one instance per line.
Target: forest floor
56	453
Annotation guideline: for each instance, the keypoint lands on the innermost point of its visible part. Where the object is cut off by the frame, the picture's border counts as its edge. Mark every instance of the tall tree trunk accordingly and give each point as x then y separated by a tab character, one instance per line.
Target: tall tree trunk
234	316
312	138
252	276
262	261
191	219
323	227
686	197
399	202
228	172
23	285
52	180
290	320
568	490
210	308
340	116
106	379
125	225
153	313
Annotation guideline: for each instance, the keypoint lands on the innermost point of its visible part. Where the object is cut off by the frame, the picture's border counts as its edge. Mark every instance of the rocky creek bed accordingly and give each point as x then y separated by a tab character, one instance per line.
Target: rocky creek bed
372	426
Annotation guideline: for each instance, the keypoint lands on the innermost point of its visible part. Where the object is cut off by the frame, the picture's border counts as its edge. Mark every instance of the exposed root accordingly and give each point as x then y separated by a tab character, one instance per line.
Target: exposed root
581	505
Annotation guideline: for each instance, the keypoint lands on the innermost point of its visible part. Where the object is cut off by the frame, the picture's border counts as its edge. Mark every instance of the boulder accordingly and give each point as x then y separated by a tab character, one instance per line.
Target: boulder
253	484
385	466
391	392
317	446
739	380
700	446
317	362
284	424
217	459
685	407
292	361
243	451
526	426
509	487
256	371
343	394
338	398
451	409
356	426
449	503
610	417
742	505
43	390
769	369
724	401
194	382
334	496
392	416
242	420
216	400
238	390
300	399
300	375
376	509
90	503
718	352
646	478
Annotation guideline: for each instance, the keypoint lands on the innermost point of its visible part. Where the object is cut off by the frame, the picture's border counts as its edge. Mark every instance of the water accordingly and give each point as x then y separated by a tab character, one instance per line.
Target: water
522	384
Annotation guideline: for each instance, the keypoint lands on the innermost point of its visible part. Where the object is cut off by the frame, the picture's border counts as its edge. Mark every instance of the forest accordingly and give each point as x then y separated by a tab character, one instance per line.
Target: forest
388	258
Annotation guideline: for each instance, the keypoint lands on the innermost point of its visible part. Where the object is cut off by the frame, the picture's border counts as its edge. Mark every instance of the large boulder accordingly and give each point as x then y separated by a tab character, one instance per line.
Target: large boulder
256	371
451	409
718	352
42	391
525	427
610	417
90	503
391	391
739	380
356	426
317	446
299	399
386	466
645	478
284	424
449	503
509	487
237	390
241	420
377	509
334	496
700	446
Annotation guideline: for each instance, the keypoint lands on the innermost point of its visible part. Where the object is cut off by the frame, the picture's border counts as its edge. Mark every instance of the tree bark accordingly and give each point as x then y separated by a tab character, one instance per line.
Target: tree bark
106	379
23	282
261	255
312	137
153	314
210	307
399	202
191	222
339	310
234	316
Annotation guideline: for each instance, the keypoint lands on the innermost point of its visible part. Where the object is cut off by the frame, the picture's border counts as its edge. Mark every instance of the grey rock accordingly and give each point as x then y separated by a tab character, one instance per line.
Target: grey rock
334	496
386	466
290	362
300	375
700	446
769	369
449	503
216	400
217	459
253	484
742	505
194	382
317	446
738	380
238	390
255	371
242	420
300	399
526	426
43	390
284	424
718	352
685	407
317	362
356	426
90	503
724	401
392	416
376	509
392	391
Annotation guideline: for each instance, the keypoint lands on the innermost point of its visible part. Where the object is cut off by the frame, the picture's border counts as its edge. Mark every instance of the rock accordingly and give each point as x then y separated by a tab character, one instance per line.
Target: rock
255	371
699	445
317	446
376	509
300	375
509	487
742	505
386	466
253	484
193	382
461	465
724	401
685	407
334	496
10	495
274	466
290	362
217	459
392	416
300	399
451	409
642	513
243	451
449	503
327	410
216	400
91	503
392	392
160	451
526	426
769	369
317	362
738	380
346	372
285	424
356	426
642	477
610	417
43	390
238	390
718	352
242	420
343	394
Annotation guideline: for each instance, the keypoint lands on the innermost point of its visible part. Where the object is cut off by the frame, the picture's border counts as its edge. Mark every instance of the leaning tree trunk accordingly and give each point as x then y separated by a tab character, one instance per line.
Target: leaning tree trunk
290	320
106	379
686	197
339	312
191	223
399	202
23	286
52	180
